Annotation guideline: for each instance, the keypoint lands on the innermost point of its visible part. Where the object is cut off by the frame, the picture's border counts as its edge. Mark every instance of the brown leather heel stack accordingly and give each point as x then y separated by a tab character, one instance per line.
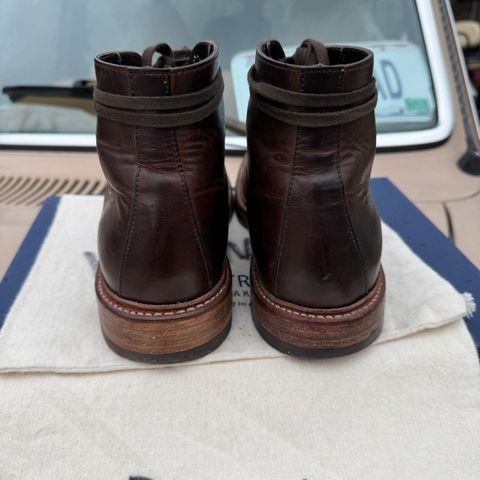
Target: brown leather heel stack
318	287
171	333
163	284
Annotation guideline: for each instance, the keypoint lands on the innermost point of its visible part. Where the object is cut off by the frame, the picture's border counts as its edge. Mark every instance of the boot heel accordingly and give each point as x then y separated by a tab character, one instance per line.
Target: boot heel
165	333
317	333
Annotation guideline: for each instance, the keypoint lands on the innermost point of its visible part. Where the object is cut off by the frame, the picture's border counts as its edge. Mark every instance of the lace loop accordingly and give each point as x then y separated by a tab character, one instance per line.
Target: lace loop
264	94
160	112
163	49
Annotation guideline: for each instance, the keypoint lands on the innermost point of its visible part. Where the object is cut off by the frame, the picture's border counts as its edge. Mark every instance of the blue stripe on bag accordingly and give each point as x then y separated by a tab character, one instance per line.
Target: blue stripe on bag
430	244
19	269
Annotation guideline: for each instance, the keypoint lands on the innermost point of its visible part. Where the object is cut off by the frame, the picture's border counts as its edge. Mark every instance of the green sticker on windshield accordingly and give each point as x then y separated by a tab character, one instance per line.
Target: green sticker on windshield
417	106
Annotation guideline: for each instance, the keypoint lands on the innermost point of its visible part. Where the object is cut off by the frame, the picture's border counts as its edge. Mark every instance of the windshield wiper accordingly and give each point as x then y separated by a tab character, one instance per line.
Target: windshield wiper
80	89
80	95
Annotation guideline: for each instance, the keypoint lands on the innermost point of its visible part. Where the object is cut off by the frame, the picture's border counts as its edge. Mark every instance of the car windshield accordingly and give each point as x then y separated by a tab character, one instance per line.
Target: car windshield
57	40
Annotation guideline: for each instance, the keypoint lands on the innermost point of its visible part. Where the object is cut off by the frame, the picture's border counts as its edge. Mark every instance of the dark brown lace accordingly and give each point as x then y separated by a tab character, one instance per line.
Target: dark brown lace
363	100
167	56
162	112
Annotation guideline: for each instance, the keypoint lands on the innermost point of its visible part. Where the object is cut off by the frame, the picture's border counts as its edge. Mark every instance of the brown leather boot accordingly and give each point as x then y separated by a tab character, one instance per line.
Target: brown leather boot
318	287
163	283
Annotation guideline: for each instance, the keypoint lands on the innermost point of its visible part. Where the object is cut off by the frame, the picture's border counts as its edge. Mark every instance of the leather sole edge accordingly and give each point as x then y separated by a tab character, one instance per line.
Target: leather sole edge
165	333
318	333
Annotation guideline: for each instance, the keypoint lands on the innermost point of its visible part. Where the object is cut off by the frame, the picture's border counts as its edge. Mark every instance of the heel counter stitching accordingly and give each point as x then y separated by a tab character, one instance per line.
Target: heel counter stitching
344	201
281	240
293	172
189	205
131	228
133	204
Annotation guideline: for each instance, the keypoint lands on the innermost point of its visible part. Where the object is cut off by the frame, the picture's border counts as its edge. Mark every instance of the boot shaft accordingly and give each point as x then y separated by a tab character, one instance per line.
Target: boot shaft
160	138
311	140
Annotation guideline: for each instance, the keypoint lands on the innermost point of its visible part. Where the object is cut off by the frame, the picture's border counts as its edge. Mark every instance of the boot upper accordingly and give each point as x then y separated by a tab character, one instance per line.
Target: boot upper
160	138
311	136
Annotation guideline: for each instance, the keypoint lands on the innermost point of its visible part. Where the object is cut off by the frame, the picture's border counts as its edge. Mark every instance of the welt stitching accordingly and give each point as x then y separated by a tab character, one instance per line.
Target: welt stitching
287	203
344	201
156	314
367	306
188	201
133	205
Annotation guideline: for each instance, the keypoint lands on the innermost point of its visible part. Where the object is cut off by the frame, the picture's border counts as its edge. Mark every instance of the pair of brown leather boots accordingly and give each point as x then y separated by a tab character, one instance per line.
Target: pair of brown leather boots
164	282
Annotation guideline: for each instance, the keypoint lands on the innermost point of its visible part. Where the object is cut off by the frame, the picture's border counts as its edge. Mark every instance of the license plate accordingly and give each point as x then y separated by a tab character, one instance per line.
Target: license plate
405	91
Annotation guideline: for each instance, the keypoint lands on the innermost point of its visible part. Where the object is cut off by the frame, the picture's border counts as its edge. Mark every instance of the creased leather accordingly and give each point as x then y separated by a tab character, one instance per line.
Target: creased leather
314	228
163	232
